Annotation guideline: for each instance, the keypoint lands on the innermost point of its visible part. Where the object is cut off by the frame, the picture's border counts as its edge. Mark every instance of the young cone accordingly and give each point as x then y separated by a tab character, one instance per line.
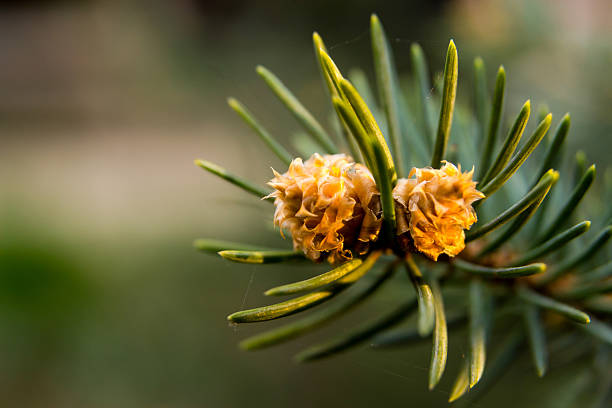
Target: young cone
434	208
330	205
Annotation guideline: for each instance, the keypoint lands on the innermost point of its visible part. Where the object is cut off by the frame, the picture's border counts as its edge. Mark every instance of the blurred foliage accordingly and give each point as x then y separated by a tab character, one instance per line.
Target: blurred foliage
39	286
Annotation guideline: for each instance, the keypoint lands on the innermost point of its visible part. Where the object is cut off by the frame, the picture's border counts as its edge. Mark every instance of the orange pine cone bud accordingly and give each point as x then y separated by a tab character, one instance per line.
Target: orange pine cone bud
330	204
435	207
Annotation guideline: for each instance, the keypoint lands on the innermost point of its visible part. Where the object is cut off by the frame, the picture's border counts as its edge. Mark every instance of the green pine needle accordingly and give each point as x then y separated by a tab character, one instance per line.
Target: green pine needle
516	162
350	119
481	98
505	354
555	306
554	149
235	180
322	316
462	383
510	144
580	163
377	140
213	246
449	92
426	315
261	257
298	304
478	323
537	339
332	73
491	272
361	82
494	120
279	310
599	330
585	254
440	339
386	195
388	83
531	197
319	49
298	110
272	144
317	281
373	144
411	335
514	227
421	73
568	208
555	243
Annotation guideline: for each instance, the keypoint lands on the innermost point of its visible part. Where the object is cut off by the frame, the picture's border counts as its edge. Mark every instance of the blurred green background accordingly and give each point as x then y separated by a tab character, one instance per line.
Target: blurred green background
105	104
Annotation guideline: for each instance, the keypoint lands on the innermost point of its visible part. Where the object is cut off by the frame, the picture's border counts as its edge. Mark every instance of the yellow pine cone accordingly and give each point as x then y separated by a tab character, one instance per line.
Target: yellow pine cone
435	207
330	204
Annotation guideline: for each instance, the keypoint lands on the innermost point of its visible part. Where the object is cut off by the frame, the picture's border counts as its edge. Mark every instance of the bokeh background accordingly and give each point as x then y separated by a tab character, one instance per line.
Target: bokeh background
103	107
